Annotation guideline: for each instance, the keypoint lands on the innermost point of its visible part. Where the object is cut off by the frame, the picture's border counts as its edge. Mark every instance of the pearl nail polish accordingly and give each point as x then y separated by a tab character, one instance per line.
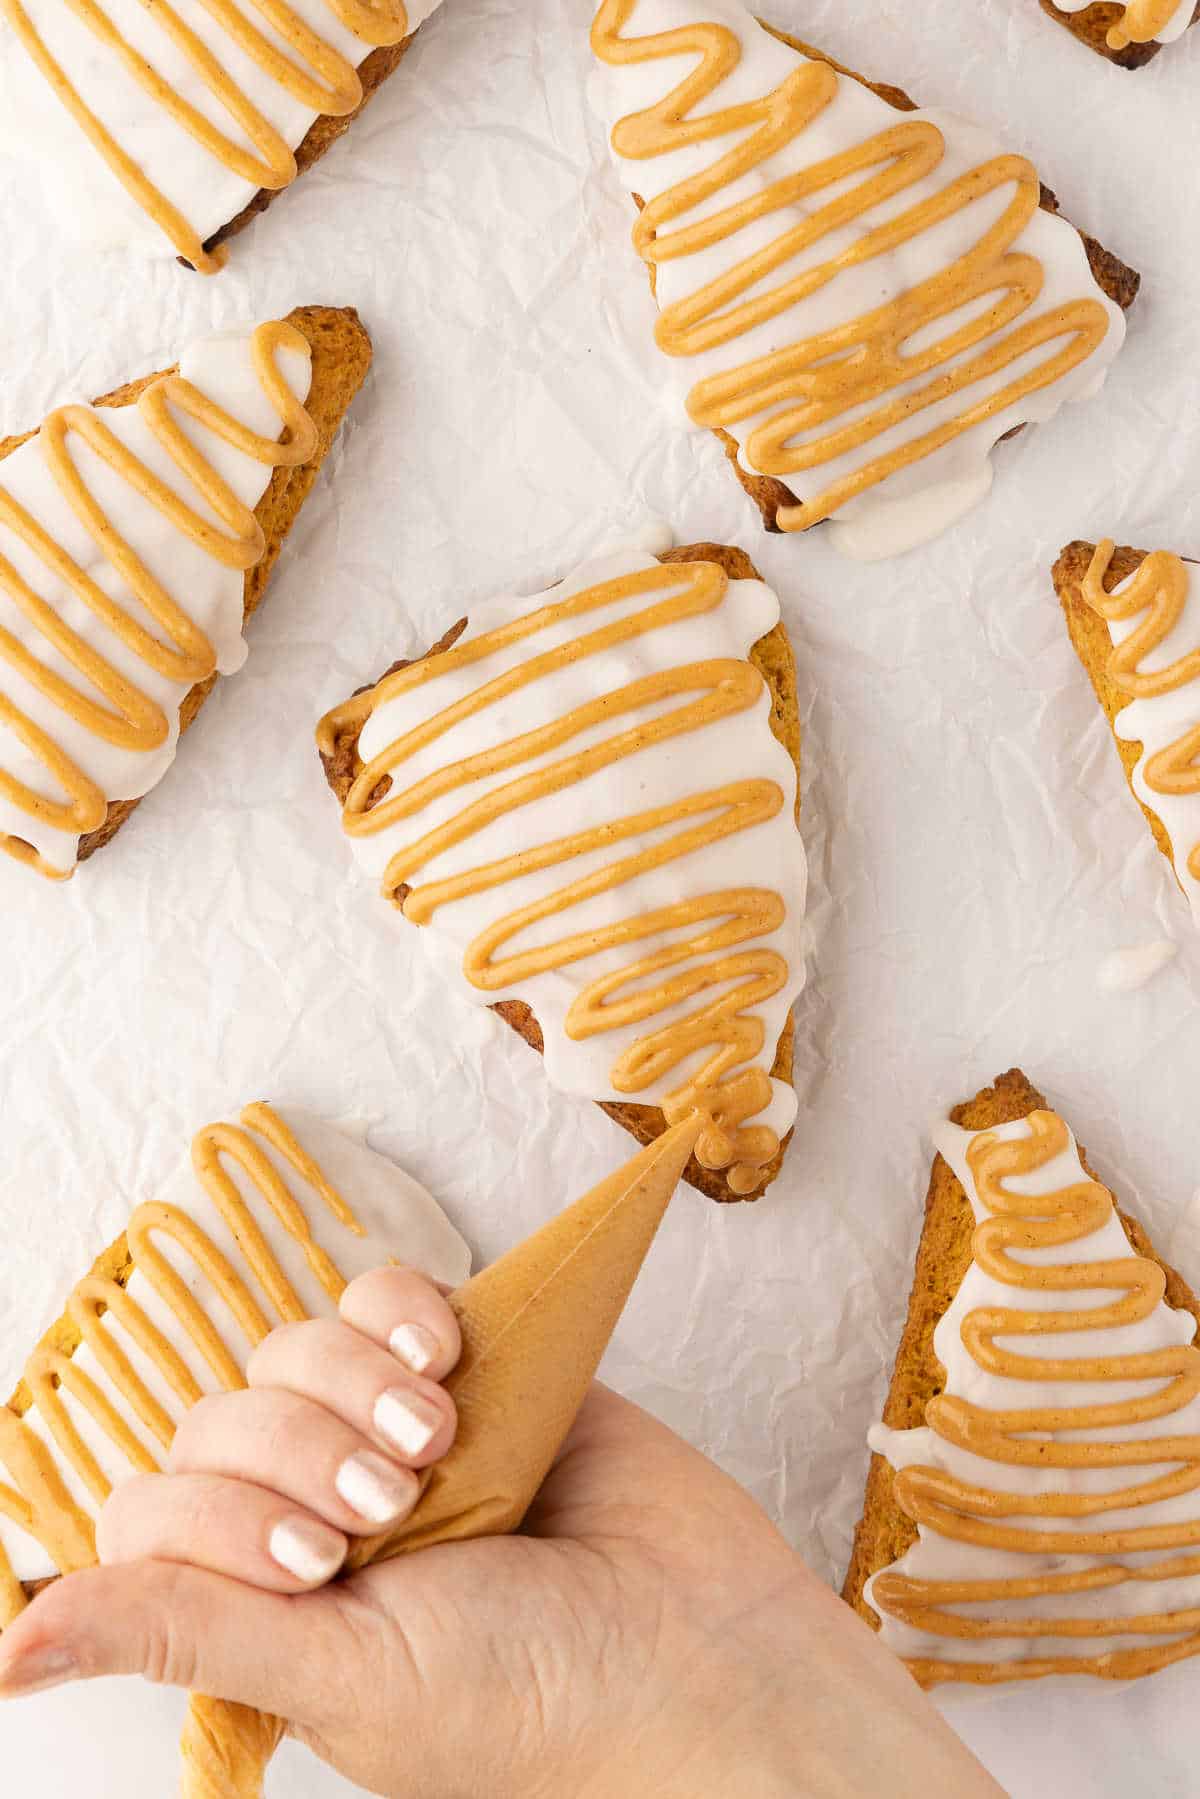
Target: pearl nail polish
407	1421
309	1551
374	1488
415	1346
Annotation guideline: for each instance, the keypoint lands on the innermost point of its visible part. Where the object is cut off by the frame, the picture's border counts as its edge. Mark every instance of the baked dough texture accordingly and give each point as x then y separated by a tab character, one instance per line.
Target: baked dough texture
1118	281
772	656
885	1532
322	134
341	356
63	1338
1092	26
534	1326
1093	645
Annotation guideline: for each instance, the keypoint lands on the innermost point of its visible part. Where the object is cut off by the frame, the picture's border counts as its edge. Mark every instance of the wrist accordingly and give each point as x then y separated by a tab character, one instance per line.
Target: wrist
727	1717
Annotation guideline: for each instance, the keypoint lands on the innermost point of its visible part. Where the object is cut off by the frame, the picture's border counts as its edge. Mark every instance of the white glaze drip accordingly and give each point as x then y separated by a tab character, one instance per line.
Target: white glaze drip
91	205
738	747
914	503
209	591
936	1558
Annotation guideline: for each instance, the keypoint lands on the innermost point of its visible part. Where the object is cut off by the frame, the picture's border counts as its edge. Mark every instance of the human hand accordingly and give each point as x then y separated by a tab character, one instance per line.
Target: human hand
649	1632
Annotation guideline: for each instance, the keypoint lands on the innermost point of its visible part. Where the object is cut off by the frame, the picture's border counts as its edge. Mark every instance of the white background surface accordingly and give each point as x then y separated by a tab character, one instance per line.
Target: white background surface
975	851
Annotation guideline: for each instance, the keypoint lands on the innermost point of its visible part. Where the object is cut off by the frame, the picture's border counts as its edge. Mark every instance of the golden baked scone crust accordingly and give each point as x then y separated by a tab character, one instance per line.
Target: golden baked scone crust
115	1264
341	356
322	134
772	656
1092	25
943	1256
1118	281
1093	645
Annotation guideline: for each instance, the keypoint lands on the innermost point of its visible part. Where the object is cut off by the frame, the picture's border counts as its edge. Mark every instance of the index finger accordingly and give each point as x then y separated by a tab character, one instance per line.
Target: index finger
405	1313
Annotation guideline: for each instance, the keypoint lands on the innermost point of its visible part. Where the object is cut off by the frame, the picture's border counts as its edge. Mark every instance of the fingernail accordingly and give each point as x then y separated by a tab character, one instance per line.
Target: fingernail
36	1672
377	1490
415	1346
310	1551
408	1421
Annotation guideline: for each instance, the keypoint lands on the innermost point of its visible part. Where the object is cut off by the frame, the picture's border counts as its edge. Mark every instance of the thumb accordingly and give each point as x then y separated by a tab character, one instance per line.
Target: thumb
183	1627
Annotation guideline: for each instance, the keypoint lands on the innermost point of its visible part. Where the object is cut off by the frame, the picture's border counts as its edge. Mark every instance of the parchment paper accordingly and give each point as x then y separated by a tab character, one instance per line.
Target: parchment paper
975	851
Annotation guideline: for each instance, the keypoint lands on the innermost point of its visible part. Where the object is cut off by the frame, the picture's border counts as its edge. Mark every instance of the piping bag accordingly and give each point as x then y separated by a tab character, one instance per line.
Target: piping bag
534	1327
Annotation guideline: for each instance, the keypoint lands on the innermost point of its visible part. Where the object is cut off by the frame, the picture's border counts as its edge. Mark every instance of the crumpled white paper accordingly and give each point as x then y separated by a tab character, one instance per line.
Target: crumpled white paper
975	851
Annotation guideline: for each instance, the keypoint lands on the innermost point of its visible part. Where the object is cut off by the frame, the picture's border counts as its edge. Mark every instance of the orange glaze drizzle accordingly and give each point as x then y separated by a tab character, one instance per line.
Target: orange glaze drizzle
723	1089
1160	590
40	1502
315	75
814	388
122	714
1042	1437
1142	21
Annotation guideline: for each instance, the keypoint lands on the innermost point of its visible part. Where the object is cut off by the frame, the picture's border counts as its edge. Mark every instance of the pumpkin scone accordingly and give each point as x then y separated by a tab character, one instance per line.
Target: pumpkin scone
1134	619
137	535
534	1325
1033	1503
590	797
861	299
275	1214
172	128
1132	34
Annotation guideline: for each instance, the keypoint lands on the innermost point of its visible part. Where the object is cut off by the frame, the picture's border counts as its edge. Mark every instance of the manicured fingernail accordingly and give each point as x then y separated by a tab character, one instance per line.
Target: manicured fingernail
377	1490
310	1551
415	1346
408	1421
36	1672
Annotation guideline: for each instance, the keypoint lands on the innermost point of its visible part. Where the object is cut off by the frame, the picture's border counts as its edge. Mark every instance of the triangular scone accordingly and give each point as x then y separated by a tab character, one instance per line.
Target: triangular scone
108	96
535	1326
275	1214
1134	618
803	272
1129	35
90	711
1064	1539
577	878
